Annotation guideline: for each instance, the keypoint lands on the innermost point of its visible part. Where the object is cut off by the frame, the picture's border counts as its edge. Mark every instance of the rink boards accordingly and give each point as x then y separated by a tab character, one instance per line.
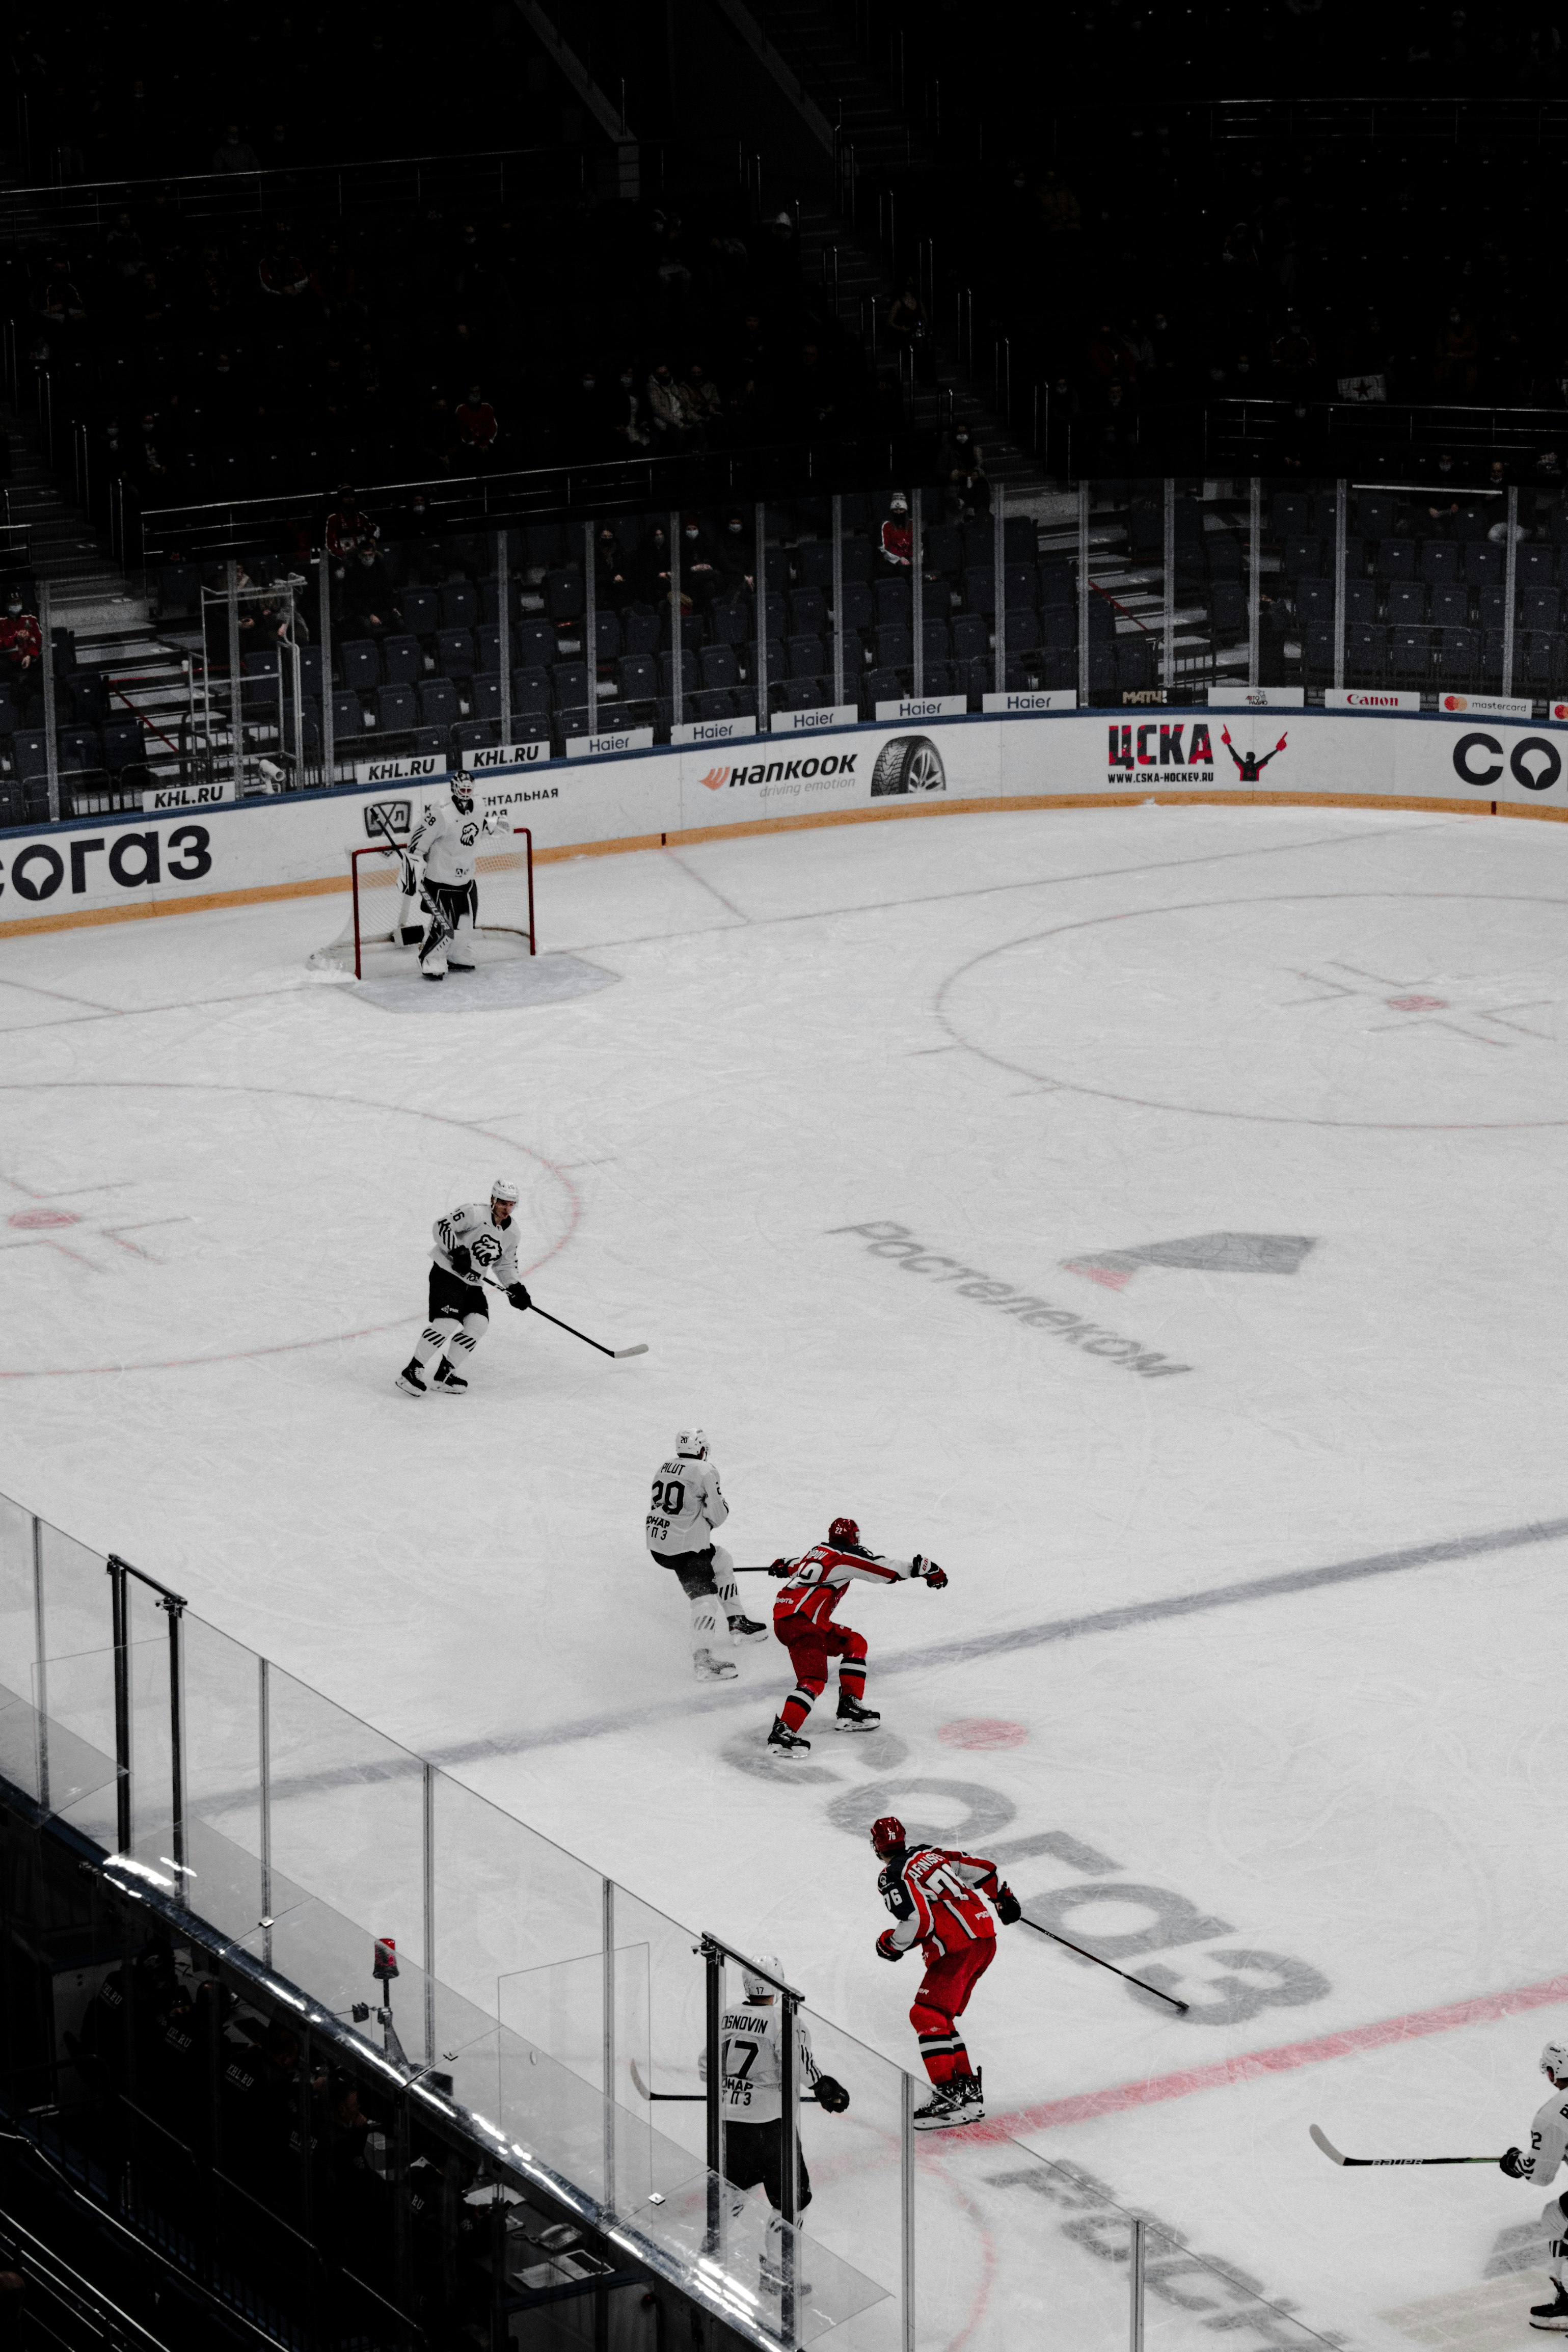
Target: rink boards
117	867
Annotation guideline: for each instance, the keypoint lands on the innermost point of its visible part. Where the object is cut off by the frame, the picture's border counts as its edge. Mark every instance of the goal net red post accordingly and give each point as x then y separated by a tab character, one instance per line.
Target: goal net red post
382	924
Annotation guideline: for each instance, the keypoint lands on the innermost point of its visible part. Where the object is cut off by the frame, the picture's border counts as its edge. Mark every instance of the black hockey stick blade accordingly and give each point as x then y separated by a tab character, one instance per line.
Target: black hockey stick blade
640	1349
1320	2138
692	2098
1125	1974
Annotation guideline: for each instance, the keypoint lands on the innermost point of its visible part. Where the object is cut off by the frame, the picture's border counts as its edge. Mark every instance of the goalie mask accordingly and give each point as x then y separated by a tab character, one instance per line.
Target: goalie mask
463	795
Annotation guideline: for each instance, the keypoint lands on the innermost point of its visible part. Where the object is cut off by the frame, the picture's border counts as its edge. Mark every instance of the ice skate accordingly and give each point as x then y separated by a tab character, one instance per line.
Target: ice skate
458	967
433	975
973	2097
1550	2317
949	2106
853	1716
747	1628
448	1383
771	2273
411	1380
710	1669
786	1742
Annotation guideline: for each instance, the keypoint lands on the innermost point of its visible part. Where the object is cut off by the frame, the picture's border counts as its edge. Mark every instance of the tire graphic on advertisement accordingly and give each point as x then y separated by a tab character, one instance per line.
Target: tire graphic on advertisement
907	763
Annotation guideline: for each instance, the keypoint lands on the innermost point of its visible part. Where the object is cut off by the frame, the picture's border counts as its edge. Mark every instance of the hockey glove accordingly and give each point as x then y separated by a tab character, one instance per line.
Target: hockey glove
831	2094
519	1298
936	1577
1512	2164
779	1567
889	1950
462	1259
1008	1906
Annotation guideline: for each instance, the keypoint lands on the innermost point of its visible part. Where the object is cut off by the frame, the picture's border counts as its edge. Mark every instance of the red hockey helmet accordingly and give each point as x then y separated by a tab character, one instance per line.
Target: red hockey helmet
888	1834
843	1532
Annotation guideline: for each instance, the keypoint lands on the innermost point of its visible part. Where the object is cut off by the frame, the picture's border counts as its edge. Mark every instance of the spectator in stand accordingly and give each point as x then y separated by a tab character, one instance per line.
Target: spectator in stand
1292	354
907	324
667	410
369	600
21	652
735	552
478	427
235	153
1455	366
897	543
349	528
961	470
613	583
586	425
629	424
702	564
703	401
651	569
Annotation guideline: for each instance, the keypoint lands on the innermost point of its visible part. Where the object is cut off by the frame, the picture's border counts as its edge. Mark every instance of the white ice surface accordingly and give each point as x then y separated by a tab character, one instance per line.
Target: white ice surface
1026	1039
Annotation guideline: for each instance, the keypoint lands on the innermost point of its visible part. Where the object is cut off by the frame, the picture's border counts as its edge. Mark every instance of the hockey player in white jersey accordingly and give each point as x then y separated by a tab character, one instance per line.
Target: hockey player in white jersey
751	2102
477	1240
447	839
1539	2162
687	1505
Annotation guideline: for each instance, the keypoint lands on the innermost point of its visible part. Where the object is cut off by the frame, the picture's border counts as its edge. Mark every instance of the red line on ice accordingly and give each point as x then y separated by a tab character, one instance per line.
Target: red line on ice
1084	2105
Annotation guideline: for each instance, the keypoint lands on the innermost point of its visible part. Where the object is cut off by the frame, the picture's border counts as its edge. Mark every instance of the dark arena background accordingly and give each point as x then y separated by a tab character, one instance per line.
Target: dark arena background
782	816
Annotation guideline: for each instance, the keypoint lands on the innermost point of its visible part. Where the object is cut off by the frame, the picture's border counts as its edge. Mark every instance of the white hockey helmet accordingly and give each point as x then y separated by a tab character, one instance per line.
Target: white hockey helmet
898	503
758	1988
1555	2060
691	1444
503	1189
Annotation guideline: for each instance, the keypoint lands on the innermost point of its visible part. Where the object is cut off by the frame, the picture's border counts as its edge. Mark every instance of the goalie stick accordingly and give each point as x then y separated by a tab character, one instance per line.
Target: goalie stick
1322	2139
1179	2006
640	1349
693	2098
408	885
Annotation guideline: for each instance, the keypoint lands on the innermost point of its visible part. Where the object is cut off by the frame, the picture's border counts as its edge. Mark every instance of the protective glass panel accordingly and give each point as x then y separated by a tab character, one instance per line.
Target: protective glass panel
677	2019
854	2162
222	1720
562	2006
18	1646
506	1898
1012	2249
83	1775
347	1809
1188	2298
77	1616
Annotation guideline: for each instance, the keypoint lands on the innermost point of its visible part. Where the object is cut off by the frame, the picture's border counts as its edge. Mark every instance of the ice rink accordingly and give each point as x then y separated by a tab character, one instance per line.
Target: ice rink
1158	1215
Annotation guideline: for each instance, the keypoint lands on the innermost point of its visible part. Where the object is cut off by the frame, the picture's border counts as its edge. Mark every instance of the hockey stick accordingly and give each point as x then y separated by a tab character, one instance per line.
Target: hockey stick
640	1349
405	871
1127	1979
694	2098
1318	2134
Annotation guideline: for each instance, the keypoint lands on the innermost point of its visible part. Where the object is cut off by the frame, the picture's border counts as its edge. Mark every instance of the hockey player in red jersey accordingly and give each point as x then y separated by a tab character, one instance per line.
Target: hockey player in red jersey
934	1893
802	1620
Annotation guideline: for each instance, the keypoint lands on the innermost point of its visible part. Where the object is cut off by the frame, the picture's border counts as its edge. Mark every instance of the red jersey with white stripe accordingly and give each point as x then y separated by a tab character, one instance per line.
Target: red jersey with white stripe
820	1577
936	1896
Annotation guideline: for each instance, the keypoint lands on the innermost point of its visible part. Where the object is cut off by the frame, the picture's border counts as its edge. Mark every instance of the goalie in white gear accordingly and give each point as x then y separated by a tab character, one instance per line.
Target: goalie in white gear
447	839
751	2102
478	1239
685	1507
1548	2147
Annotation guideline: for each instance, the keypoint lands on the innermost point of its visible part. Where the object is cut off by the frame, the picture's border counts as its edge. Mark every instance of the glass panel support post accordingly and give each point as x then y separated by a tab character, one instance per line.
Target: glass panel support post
1254	551
838	602
51	731
1082	594
1509	586
175	1609
1342	554
916	591
428	1871
714	1962
1168	613
906	2214
324	616
1135	2284
608	2043
677	634
119	1612
41	1726
999	571
762	621
236	707
789	2155
264	1729
591	629
503	633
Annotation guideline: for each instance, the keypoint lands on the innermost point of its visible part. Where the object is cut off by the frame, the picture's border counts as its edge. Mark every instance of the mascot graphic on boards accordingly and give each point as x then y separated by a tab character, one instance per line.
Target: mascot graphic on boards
1249	765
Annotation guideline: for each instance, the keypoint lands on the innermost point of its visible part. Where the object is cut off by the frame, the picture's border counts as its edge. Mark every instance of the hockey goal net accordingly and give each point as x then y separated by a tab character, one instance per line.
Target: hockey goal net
371	941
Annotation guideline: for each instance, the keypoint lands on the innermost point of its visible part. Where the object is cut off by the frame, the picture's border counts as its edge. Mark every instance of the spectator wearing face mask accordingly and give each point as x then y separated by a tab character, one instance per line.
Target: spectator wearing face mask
630	426
369	600
702	564
21	652
897	543
613	583
961	470
349	528
736	549
667	410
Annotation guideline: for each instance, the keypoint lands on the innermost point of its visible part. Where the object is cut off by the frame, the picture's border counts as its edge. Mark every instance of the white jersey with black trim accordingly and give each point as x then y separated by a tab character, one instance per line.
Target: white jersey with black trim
751	2045
1548	2140
448	843
493	1248
685	1506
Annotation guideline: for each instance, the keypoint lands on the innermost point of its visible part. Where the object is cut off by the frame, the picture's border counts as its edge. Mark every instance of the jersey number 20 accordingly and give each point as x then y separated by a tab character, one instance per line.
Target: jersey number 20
668	1497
